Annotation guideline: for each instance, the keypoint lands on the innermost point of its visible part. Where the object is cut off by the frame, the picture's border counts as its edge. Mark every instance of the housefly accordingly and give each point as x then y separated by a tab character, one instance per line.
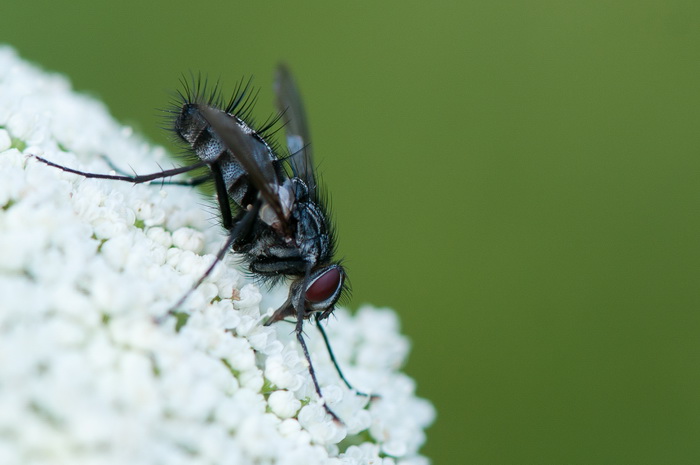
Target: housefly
271	205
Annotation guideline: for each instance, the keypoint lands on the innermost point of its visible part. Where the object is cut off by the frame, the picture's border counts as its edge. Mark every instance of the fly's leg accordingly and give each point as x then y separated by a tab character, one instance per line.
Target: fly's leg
136	179
192	182
335	362
300	337
241	229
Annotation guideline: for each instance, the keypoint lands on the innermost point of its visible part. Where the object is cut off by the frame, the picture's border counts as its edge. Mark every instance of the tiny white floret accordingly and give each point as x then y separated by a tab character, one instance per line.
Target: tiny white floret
93	368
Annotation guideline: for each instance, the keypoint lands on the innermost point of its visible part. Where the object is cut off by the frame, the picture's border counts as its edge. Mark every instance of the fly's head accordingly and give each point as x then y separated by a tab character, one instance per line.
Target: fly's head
317	294
326	286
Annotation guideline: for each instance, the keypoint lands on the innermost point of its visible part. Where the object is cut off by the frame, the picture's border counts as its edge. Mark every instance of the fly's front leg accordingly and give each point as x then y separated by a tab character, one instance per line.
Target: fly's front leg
335	362
300	306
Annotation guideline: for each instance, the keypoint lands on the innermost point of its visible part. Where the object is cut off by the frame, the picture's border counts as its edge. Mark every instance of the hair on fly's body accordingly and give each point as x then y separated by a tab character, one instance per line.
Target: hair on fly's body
270	204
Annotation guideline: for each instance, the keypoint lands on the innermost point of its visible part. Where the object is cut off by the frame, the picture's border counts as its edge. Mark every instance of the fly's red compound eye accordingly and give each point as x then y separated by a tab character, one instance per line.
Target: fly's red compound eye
324	286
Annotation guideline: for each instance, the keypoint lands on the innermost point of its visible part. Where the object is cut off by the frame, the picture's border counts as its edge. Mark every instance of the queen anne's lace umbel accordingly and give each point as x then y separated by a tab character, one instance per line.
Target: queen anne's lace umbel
88	377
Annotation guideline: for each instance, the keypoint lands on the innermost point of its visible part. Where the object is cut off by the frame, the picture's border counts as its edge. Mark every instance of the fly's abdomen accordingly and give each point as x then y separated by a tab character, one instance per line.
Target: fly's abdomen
238	185
194	129
191	126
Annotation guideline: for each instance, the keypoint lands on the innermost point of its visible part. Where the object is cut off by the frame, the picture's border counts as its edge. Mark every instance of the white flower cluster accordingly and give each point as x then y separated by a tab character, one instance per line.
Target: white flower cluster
87	375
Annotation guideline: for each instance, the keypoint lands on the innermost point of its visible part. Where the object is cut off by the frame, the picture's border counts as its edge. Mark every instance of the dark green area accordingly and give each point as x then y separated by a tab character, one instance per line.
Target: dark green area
356	440
8	204
233	371
18	144
519	180
181	320
46	415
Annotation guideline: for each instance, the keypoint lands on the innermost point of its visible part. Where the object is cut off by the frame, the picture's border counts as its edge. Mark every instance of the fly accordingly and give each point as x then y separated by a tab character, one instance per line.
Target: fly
271	206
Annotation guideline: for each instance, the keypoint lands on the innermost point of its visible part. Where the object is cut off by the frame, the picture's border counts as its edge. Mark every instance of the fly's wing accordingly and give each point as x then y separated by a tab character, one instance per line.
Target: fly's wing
298	141
252	155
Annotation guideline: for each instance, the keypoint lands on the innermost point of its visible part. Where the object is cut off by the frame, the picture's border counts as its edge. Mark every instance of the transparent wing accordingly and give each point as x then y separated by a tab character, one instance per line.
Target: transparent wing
296	128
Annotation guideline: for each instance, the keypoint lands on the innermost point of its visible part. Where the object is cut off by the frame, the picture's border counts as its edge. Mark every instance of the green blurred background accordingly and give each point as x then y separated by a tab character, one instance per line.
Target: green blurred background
519	180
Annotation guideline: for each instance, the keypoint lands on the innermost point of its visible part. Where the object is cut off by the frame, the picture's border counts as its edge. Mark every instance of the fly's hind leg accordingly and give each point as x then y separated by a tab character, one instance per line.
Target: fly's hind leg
135	179
195	181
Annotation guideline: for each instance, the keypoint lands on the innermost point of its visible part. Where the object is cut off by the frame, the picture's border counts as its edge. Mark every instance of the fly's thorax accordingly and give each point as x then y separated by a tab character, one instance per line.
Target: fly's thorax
312	236
287	200
312	228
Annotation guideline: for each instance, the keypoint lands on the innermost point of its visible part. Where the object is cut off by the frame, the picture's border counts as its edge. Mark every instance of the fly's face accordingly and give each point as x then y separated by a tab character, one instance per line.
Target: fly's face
324	289
317	294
